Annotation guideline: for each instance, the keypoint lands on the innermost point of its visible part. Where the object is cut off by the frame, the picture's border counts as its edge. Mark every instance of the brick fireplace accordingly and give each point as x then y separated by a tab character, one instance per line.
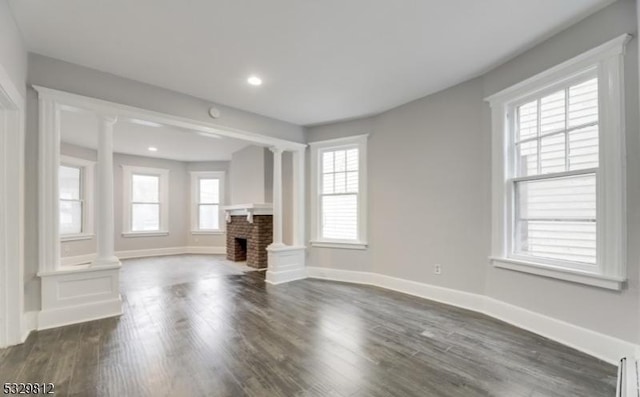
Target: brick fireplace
249	232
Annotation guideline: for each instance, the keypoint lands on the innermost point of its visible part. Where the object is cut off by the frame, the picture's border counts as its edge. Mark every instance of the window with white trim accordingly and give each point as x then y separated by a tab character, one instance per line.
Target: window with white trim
75	186
207	196
559	194
339	186
146	201
555	146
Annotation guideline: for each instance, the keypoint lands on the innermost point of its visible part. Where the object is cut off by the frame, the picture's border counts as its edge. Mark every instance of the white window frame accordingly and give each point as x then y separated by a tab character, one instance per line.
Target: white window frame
196	176
605	62
87	176
127	178
317	149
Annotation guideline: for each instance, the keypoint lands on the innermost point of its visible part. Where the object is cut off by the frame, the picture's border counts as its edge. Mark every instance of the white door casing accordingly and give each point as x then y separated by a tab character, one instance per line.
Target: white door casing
11	212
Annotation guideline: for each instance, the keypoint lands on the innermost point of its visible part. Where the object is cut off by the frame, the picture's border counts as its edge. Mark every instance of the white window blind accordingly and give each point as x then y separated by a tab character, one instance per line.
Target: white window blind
71	200
208	204
145	202
339	194
556	156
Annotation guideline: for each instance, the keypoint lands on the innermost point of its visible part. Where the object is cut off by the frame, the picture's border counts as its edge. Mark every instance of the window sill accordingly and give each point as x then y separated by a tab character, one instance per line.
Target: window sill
596	280
340	245
144	234
208	232
76	237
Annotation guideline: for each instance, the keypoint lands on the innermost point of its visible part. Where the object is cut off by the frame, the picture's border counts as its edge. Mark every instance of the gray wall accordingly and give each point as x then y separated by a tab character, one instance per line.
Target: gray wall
613	313
13	56
429	189
248	175
428	185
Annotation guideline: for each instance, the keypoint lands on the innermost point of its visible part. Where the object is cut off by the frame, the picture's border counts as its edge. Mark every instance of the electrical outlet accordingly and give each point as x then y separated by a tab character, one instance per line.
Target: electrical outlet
197	240
437	269
66	249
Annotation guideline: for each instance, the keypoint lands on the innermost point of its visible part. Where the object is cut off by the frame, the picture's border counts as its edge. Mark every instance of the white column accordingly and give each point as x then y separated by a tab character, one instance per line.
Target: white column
277	197
298	198
104	193
48	195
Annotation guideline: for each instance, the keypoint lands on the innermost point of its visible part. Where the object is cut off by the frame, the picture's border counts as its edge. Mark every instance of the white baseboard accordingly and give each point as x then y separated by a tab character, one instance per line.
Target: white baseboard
596	344
284	276
144	253
449	296
130	254
30	323
79	313
206	250
599	345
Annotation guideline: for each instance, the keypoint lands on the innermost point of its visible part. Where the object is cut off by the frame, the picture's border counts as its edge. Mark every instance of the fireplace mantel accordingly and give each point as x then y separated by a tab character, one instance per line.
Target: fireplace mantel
247	209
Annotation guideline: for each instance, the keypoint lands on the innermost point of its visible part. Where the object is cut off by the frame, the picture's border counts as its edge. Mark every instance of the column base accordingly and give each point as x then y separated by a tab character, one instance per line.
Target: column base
286	263
84	293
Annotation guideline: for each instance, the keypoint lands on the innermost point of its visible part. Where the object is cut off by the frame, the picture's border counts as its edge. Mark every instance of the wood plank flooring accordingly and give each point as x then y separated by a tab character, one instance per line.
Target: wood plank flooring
225	333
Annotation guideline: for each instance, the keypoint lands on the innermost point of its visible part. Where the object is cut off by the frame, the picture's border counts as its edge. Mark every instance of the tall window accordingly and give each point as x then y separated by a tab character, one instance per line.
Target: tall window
71	200
339	194
145	203
207	197
146	200
75	185
556	151
558	170
339	202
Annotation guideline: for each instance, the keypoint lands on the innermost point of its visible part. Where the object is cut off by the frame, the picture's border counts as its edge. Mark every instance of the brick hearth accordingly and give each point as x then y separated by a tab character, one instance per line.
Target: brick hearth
249	241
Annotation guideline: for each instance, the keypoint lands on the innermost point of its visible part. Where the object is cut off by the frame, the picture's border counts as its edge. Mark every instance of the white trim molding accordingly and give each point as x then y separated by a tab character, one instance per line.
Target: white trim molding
317	148
145	253
286	263
606	63
596	344
12	164
101	106
196	176
127	174
248	210
613	283
79	294
339	245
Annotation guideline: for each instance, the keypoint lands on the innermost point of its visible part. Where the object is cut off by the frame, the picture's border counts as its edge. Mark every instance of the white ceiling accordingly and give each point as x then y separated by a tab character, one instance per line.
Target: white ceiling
321	60
81	129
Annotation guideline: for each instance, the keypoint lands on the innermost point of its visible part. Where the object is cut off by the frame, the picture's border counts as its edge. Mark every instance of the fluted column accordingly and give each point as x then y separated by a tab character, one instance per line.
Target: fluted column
104	193
277	197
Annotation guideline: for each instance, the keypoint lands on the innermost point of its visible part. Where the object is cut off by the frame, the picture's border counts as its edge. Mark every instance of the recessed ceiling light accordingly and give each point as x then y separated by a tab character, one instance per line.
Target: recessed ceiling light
153	149
254	80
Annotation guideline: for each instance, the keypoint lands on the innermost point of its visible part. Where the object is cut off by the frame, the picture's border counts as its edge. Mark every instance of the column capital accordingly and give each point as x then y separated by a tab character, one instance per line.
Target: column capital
108	118
276	149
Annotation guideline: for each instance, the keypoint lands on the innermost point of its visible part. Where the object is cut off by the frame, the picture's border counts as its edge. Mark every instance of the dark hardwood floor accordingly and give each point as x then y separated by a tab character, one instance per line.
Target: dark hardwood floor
226	333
